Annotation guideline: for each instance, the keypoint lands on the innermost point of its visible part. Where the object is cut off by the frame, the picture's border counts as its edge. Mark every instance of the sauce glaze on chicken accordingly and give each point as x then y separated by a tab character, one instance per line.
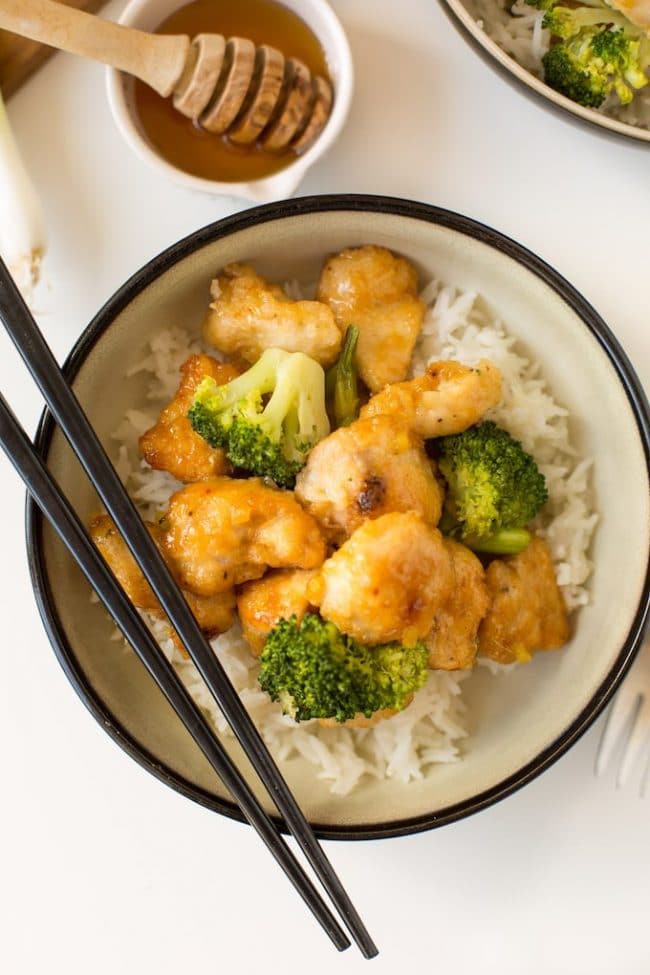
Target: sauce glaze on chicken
359	539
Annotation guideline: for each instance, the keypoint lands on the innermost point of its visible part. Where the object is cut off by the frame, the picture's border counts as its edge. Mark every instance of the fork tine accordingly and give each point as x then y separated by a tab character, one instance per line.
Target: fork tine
636	740
624	703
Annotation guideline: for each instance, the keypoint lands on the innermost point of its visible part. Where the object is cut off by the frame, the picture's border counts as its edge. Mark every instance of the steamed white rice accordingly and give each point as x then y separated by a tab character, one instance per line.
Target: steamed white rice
518	31
432	729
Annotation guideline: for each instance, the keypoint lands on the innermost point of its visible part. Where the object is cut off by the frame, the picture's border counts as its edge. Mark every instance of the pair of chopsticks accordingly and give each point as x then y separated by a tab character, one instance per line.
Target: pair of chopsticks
70	417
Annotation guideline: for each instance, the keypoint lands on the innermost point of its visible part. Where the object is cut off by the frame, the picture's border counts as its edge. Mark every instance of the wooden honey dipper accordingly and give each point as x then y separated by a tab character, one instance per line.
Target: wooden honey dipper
227	86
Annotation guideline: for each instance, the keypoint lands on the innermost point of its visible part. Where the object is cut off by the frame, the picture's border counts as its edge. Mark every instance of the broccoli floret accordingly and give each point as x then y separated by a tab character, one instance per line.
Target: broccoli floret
315	671
494	486
565	74
623	53
565	22
268	418
342	382
541	4
594	61
594	51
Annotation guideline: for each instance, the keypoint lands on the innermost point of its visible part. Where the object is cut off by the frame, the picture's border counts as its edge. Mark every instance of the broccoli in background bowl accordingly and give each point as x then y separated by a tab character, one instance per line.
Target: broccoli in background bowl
599	81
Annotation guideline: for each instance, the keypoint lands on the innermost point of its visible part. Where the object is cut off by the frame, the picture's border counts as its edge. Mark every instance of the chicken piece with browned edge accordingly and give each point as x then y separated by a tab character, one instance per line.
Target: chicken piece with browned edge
214	614
171	444
452	641
386	581
527	611
368	469
447	399
222	532
279	595
378	292
249	315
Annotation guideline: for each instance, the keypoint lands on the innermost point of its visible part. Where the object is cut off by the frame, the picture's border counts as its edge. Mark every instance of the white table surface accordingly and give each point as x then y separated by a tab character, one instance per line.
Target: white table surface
103	869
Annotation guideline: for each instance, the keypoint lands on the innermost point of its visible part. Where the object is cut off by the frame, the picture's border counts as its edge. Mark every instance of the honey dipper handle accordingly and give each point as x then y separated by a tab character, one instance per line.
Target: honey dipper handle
157	59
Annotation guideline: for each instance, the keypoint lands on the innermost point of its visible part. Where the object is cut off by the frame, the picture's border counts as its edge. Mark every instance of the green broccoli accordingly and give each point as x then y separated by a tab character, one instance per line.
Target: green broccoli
315	671
594	51
564	73
504	541
566	22
593	63
494	488
268	418
342	384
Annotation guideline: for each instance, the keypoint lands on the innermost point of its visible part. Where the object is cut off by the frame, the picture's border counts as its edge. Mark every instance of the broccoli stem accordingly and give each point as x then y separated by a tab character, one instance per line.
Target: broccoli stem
341	383
506	541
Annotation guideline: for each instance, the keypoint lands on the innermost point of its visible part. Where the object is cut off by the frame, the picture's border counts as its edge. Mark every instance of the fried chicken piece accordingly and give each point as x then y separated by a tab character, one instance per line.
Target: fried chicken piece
372	467
171	444
264	602
452	640
527	612
115	553
636	11
448	398
386	582
248	315
371	288
214	614
222	532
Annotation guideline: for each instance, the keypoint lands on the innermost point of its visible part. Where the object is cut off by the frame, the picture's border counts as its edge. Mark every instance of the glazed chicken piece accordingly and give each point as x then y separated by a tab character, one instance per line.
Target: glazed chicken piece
115	553
636	11
448	398
371	288
452	640
171	444
386	582
214	614
264	602
248	315
222	532
527	612
374	466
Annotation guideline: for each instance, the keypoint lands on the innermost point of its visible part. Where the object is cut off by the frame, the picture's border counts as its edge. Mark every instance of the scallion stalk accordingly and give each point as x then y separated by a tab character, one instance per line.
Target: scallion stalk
22	225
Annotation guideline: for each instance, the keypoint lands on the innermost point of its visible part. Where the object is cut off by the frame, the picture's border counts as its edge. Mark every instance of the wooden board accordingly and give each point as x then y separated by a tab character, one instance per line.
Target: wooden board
19	58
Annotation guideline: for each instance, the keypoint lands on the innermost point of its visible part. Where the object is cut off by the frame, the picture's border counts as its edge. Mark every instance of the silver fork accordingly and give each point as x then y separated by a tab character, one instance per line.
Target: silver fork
629	717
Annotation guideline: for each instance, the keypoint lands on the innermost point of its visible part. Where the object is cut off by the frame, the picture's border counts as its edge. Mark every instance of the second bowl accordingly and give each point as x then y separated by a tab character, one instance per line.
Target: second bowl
509	45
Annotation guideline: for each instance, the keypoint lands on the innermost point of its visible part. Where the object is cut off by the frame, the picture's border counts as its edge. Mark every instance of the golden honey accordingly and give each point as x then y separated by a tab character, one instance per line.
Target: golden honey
181	141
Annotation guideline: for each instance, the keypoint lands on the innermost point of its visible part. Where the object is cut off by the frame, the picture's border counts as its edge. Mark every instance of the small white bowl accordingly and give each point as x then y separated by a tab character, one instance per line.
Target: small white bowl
319	16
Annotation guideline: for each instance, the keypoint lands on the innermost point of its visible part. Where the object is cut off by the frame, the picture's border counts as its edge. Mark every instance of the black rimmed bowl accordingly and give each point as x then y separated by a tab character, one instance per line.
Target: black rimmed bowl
474	19
517	725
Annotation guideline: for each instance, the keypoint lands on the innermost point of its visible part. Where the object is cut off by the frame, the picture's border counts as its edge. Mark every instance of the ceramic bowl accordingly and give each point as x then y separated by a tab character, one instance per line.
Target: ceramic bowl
468	16
319	16
518	725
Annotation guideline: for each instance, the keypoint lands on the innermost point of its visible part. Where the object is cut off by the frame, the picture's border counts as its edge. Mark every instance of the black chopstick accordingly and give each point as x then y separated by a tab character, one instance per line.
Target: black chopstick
63	519
69	415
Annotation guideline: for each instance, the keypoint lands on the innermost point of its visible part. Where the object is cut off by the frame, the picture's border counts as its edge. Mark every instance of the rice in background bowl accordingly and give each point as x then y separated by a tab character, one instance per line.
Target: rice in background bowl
516	724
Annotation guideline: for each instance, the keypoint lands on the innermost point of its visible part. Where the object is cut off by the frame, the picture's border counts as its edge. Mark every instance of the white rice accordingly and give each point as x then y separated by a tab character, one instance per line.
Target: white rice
430	731
518	31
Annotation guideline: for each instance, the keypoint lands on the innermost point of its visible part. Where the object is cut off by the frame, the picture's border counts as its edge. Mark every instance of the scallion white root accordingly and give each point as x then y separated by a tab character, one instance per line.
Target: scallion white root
22	225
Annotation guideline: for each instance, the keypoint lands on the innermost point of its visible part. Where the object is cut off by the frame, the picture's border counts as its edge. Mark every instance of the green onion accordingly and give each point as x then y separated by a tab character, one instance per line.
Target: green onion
22	227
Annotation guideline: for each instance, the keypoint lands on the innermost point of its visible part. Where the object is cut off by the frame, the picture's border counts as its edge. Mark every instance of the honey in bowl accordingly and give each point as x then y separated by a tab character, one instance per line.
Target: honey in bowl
183	142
